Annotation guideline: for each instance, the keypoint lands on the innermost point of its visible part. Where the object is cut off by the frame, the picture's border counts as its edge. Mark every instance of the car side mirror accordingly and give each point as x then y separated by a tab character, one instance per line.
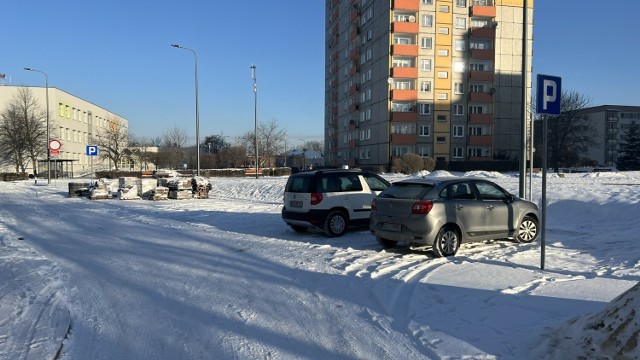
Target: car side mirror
510	198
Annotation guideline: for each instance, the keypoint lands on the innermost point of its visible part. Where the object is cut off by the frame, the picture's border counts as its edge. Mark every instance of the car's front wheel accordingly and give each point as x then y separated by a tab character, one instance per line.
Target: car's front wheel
528	230
386	243
335	224
447	242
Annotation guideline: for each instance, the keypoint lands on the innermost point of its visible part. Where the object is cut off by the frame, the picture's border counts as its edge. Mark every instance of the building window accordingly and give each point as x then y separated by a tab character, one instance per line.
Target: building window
425	130
458	109
443	74
443	52
400	150
425	109
443	96
477	109
427	20
425	86
461	23
441	117
428	2
460	45
444	8
426	42
443	30
441	139
458	152
458	131
425	64
458	88
403	128
458	66
424	150
462	3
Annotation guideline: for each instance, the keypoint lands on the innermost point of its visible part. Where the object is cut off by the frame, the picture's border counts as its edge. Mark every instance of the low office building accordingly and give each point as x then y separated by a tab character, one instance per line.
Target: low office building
74	122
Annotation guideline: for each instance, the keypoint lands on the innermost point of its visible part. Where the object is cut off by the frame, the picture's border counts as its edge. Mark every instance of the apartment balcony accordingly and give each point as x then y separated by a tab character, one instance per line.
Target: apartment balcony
483	32
480	97
334	109
480	140
353	162
404	116
352	125
353	89
354	54
481	119
353	108
355	32
405	27
405	72
334	96
354	16
352	144
484	11
481	76
354	70
404	139
404	95
334	15
480	54
334	82
402	49
406	5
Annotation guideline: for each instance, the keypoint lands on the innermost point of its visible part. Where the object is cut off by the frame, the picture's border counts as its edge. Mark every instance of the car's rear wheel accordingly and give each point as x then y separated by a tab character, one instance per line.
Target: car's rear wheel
528	230
298	228
386	243
335	224
447	242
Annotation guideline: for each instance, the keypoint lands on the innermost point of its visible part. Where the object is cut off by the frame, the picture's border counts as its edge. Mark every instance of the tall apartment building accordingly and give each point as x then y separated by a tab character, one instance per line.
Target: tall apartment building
611	123
73	121
438	78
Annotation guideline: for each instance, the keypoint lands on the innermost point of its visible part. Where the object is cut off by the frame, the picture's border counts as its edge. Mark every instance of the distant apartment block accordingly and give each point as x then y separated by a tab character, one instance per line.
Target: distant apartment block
437	78
74	122
611	123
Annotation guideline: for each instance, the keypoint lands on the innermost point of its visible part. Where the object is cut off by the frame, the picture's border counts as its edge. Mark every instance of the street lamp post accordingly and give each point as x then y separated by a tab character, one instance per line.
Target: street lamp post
255	111
197	109
304	156
46	84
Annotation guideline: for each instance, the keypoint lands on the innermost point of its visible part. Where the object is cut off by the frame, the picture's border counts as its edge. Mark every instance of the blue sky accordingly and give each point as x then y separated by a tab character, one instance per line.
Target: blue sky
117	54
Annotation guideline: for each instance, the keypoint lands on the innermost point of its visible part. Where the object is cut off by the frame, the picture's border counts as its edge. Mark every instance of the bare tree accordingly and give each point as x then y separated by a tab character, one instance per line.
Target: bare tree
232	156
23	131
141	149
569	133
270	140
173	147
113	141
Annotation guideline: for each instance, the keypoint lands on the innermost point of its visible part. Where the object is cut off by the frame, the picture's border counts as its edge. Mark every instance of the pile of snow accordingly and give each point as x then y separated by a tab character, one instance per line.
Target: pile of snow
485	174
440	173
603	175
612	333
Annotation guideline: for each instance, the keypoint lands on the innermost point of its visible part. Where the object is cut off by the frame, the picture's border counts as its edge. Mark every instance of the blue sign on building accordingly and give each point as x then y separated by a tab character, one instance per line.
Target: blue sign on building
92	150
548	94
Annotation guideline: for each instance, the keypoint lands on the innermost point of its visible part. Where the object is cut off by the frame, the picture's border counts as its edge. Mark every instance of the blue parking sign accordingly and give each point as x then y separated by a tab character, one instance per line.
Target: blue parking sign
548	94
92	150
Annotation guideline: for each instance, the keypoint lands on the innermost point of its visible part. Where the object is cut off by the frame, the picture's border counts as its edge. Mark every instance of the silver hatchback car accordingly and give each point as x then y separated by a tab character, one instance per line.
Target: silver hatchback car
444	212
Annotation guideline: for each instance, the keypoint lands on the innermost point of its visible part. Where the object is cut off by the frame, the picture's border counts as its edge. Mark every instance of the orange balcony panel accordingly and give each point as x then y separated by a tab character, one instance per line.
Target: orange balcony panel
404	95
483	32
405	72
404	139
486	11
404	116
406	5
481	118
482	75
405	27
353	108
353	89
483	140
408	50
480	97
352	144
479	54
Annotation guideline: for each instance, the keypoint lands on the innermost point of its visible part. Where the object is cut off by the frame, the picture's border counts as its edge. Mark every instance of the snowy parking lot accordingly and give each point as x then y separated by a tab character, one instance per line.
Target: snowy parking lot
225	278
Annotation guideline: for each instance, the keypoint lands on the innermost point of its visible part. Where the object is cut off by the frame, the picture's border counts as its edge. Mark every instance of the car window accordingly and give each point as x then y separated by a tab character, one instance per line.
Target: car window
299	184
406	191
330	183
375	182
490	191
350	182
459	191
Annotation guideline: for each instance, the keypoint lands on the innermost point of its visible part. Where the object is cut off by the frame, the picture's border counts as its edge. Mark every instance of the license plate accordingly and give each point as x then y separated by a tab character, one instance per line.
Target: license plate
391	227
296	203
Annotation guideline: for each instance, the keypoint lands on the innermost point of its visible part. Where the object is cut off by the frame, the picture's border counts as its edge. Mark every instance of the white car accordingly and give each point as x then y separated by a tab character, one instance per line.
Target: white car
330	199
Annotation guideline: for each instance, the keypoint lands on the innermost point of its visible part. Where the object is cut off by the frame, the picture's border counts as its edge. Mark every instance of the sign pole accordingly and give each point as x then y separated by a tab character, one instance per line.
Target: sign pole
543	218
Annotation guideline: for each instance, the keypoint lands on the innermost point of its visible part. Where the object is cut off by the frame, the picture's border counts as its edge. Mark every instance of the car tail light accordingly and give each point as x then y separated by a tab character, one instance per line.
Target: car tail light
422	207
316	198
374	204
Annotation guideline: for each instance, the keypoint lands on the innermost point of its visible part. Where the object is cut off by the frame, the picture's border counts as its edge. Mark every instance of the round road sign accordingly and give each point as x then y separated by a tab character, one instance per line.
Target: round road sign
55	144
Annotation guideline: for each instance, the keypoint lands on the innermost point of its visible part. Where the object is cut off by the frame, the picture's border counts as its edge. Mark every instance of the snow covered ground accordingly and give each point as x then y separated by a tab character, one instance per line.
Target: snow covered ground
225	278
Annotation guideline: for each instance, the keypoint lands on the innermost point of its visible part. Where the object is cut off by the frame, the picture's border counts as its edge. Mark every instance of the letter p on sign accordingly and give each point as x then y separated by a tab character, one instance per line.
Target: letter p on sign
92	150
548	94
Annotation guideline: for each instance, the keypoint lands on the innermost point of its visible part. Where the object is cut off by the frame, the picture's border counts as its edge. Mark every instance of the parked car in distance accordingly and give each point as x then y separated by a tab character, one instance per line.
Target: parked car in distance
330	199
445	212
